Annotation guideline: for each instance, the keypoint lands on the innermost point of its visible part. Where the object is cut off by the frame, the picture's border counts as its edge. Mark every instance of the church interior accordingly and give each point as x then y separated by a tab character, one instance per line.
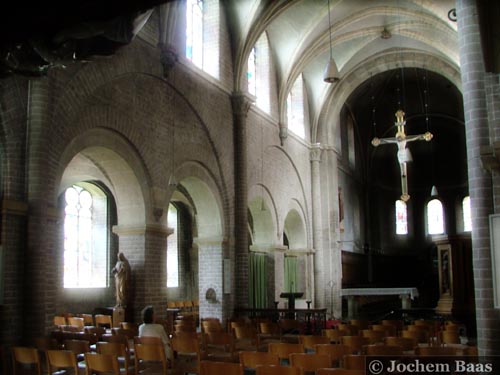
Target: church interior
324	161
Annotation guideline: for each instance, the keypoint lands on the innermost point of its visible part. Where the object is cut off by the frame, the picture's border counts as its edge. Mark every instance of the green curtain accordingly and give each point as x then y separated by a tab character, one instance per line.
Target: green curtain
258	281
291	274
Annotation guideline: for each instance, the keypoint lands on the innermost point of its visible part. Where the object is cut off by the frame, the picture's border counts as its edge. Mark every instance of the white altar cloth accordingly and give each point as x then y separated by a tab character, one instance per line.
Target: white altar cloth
412	292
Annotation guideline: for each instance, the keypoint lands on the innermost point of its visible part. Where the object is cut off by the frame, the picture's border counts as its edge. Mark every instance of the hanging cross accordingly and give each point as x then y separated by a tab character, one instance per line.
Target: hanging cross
404	155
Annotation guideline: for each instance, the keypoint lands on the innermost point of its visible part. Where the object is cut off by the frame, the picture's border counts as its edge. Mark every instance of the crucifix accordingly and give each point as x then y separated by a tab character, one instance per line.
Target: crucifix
404	155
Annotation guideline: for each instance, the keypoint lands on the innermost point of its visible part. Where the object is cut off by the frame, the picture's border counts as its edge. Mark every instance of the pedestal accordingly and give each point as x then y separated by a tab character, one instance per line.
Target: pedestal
118	316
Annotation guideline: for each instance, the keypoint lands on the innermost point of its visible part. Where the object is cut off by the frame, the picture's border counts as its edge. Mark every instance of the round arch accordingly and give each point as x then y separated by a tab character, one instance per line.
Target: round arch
104	155
294	227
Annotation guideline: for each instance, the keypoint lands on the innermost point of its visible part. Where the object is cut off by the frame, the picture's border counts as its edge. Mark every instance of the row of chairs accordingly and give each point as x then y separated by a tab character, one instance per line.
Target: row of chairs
109	357
79	322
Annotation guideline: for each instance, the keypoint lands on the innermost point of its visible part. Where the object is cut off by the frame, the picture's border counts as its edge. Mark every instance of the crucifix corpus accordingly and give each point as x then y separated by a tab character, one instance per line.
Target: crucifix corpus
404	155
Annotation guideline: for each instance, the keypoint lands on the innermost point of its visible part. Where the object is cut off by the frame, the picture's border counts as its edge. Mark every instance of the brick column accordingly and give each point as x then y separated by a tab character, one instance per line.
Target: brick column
241	104
477	136
145	247
319	259
168	22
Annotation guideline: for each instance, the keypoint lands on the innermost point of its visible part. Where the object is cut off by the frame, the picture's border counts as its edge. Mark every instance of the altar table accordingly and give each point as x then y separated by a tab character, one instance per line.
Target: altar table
405	294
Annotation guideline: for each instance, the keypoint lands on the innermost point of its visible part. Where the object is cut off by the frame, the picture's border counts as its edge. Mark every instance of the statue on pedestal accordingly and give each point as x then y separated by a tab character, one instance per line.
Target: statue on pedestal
122	272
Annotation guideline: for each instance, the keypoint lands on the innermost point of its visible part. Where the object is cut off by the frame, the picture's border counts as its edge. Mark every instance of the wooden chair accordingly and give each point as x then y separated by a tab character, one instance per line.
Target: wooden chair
352	330
277	370
97	362
421	336
376	349
151	340
220	368
97	331
388	330
374	337
131	326
450	337
308	362
355	343
211	325
150	359
338	371
76	322
88	320
26	359
334	335
354	362
252	359
436	350
58	360
335	351
102	320
220	347
289	326
360	323
119	350
284	349
246	338
187	354
408	344
78	347
269	332
60	321
309	341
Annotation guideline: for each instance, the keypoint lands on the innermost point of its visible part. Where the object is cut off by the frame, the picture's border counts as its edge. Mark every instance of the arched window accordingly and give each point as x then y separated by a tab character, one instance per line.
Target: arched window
202	34
401	217
85	237
466	212
435	217
173	248
258	73
295	108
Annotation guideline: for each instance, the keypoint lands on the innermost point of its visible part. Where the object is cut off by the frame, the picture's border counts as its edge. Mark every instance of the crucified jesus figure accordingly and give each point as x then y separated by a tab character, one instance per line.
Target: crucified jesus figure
404	155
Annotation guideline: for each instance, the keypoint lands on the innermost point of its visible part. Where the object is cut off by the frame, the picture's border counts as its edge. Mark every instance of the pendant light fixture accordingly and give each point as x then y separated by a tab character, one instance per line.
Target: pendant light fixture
331	74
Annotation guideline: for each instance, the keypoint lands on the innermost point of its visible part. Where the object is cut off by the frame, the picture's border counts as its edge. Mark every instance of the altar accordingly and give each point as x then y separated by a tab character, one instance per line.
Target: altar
352	294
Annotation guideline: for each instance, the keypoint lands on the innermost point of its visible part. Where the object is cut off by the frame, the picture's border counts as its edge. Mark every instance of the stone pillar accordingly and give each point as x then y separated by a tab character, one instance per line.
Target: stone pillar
169	14
145	247
477	136
333	255
319	259
279	273
14	215
211	279
241	104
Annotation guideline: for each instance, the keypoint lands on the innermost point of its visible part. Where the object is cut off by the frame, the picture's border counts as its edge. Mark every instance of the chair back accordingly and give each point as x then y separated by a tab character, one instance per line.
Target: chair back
60	360
277	370
97	362
149	356
376	349
310	340
373	337
355	343
102	320
338	371
284	349
335	334
310	362
335	351
76	322
253	359
219	368
22	355
436	350
450	337
151	340
406	343
354	362
117	349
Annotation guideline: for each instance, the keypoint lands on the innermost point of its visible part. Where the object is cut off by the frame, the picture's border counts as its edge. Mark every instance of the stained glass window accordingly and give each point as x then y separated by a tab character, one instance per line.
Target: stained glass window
81	258
435	217
401	217
173	249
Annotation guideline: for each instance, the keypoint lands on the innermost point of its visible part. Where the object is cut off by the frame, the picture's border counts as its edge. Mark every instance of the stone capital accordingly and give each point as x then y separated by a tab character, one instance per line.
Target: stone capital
315	152
241	102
